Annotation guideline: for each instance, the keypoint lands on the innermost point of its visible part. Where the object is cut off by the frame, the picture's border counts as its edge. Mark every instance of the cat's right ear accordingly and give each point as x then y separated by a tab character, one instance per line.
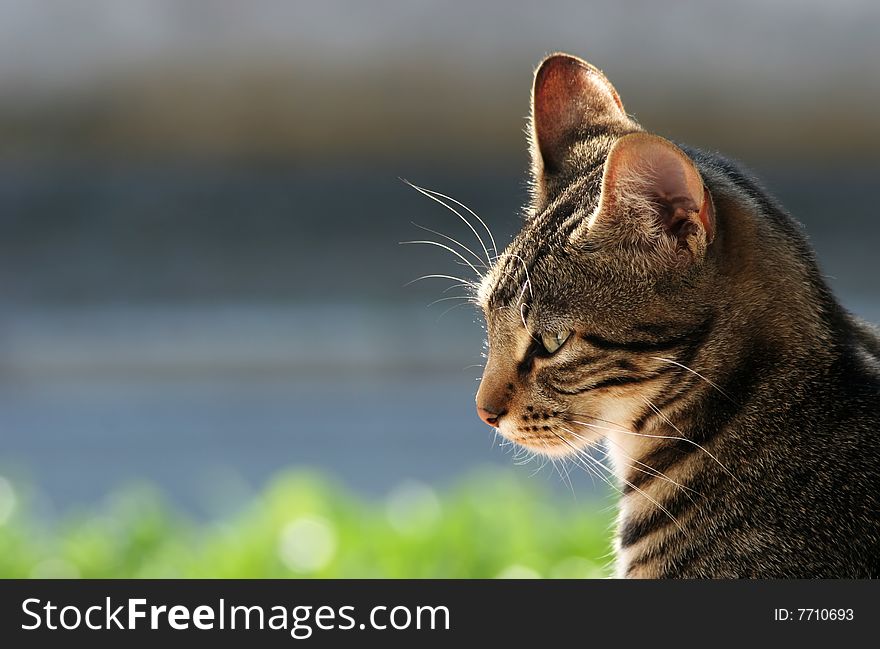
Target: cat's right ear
570	98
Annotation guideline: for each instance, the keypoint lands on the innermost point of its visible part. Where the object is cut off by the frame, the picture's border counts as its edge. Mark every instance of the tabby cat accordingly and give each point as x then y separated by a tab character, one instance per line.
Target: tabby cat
657	299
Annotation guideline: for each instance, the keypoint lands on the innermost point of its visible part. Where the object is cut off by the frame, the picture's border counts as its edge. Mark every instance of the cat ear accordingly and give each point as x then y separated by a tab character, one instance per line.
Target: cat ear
650	187
569	97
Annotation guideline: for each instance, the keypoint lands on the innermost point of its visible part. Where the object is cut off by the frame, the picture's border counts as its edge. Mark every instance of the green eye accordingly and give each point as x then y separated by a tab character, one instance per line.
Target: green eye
553	341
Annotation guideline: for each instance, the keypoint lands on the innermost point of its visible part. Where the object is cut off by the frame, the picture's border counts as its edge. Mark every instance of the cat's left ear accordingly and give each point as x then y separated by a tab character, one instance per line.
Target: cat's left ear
650	187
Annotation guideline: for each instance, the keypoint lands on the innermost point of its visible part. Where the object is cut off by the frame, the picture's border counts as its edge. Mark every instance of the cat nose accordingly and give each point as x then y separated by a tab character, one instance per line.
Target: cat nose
489	416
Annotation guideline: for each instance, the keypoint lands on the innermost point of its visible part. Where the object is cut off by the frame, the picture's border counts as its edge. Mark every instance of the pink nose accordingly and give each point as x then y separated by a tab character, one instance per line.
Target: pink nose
489	417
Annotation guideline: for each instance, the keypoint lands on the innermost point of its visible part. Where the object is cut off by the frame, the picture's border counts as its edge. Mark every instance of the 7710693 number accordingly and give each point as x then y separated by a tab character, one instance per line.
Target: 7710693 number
813	614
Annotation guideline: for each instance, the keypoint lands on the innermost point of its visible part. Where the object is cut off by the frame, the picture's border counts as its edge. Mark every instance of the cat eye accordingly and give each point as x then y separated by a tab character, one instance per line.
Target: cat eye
553	341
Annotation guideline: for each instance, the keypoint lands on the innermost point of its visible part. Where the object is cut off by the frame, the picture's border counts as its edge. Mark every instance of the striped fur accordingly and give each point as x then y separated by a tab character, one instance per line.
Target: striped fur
738	401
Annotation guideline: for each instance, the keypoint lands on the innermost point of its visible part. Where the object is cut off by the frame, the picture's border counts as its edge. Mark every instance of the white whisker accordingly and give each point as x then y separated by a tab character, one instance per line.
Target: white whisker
525	268
522	291
591	471
697	374
453	308
649	435
431	194
522	315
624	480
474	214
460	285
479	259
449	297
563	473
648	469
580	454
445	247
438	276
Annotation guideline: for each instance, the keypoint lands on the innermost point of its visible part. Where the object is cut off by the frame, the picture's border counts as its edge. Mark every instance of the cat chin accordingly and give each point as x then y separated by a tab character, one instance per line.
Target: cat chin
549	445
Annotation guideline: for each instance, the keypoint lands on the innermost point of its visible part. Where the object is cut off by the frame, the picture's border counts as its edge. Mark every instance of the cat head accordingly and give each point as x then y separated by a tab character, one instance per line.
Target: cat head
599	296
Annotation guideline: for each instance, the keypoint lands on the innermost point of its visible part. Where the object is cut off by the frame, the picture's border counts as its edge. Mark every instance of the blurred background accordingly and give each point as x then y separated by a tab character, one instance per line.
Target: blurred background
200	207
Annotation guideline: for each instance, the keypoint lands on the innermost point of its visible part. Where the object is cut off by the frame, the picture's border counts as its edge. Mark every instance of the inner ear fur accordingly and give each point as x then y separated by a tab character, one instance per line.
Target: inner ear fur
648	177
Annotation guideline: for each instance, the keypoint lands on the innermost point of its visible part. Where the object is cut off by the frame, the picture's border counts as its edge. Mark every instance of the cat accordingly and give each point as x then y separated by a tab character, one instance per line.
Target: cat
659	300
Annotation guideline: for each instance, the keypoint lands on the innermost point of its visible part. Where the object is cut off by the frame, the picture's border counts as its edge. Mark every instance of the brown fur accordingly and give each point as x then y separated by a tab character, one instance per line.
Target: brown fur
739	402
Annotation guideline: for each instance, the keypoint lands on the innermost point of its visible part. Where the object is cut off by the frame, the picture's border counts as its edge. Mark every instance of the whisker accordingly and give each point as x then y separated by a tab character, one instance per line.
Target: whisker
475	215
431	194
624	480
567	469
678	430
456	242
649	435
525	268
451	297
648	469
452	286
453	308
445	247
697	374
544	459
563	473
438	276
521	459
455	261
580	454
591	471
522	291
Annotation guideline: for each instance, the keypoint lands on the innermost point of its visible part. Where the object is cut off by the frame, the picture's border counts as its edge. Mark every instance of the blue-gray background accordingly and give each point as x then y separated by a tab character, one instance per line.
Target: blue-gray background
200	210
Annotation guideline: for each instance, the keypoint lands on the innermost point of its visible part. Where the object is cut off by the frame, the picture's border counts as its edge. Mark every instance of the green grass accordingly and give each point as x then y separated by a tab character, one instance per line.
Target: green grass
302	525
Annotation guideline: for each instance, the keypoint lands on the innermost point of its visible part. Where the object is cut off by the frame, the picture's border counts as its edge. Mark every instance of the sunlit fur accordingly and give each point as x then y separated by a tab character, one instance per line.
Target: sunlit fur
738	402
